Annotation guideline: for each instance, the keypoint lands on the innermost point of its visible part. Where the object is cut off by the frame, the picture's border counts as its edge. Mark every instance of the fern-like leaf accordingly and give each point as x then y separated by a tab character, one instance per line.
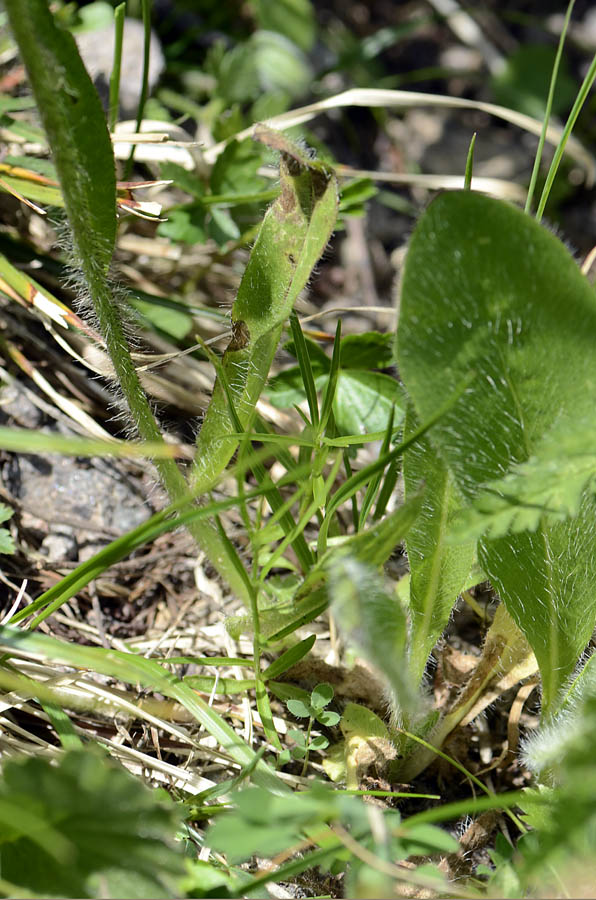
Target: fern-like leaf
551	484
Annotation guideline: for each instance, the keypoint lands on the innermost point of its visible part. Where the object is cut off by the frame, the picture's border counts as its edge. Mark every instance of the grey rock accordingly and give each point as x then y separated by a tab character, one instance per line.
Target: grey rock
97	50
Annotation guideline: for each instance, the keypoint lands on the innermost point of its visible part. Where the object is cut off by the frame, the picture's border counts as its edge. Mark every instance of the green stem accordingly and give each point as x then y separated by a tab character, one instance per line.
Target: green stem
146	7
549	106
116	65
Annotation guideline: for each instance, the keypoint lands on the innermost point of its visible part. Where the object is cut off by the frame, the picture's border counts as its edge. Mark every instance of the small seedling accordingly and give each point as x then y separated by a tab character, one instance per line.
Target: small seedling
314	711
6	541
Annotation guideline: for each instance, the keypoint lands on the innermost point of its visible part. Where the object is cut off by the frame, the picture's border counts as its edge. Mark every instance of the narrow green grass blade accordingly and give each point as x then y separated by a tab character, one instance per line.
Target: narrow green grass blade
373	485
331	380
569	125
20	440
119	14
549	106
289	658
305	368
134	669
470	164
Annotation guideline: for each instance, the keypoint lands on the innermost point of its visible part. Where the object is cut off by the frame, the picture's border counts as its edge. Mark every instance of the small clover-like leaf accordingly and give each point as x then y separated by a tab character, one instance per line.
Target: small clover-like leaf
297	736
321	696
299	752
319	743
299	709
328	718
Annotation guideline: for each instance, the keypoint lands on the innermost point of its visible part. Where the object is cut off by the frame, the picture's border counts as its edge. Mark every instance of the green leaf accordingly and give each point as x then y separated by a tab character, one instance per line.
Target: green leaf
523	82
373	620
235	170
438	571
306	369
289	658
287	388
363	401
293	18
293	235
74	121
108	833
7	544
297	736
262	824
354	194
299	709
428	839
268	62
321	696
185	224
173	322
328	718
504	303
182	178
550	484
368	350
5	512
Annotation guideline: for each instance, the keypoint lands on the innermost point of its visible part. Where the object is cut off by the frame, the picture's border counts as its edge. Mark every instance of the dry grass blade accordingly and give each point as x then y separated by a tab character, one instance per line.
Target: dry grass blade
377	97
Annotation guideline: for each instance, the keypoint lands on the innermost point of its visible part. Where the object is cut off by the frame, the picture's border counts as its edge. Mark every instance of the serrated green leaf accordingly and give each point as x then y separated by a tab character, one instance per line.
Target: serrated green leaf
504	301
550	484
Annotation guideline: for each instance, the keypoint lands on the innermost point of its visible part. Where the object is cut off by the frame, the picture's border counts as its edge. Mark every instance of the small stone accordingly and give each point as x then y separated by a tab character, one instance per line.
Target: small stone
59	547
97	50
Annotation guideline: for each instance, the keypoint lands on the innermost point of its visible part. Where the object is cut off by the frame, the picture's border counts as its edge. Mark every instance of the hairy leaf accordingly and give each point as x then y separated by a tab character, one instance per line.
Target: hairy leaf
550	484
86	827
293	235
489	293
438	570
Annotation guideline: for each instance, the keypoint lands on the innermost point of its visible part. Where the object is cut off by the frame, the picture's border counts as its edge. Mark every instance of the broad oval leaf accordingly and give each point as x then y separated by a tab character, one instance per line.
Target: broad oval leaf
489	292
